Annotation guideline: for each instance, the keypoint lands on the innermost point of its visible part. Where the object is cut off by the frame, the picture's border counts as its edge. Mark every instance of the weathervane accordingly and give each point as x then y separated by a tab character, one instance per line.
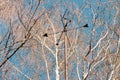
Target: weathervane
65	23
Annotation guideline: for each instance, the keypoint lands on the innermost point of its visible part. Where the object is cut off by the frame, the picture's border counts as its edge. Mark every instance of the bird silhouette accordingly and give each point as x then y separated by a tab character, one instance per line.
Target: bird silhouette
45	35
86	25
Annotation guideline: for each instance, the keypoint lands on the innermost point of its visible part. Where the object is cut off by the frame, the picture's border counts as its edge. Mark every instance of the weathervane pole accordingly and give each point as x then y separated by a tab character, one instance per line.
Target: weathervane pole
64	31
65	53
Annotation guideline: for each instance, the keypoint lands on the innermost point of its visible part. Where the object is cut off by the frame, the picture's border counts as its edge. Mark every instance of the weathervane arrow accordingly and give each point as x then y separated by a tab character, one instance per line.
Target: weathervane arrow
47	34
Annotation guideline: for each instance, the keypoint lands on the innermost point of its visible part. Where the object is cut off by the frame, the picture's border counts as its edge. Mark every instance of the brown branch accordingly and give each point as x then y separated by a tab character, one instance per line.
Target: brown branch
90	47
7	58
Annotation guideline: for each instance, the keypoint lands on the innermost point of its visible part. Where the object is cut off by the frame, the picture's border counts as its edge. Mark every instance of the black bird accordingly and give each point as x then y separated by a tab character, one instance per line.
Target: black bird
57	44
45	35
86	25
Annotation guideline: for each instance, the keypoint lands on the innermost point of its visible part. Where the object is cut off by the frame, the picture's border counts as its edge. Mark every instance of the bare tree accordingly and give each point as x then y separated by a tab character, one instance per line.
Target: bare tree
32	44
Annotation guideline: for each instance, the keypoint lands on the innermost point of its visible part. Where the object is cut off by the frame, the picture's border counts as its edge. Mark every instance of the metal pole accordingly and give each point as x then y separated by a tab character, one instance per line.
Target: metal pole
65	54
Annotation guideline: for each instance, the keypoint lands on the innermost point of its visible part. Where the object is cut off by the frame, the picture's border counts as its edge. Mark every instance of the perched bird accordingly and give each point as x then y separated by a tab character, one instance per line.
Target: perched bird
57	44
45	35
86	25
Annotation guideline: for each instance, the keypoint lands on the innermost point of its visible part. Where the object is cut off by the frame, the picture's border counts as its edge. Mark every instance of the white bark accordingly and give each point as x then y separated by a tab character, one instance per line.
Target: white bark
48	76
56	48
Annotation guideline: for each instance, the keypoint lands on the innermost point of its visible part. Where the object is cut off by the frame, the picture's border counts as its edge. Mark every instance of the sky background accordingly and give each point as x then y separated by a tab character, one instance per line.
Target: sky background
61	5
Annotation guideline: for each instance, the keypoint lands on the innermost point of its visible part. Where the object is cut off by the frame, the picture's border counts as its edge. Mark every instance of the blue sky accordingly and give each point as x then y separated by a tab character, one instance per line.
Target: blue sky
86	17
